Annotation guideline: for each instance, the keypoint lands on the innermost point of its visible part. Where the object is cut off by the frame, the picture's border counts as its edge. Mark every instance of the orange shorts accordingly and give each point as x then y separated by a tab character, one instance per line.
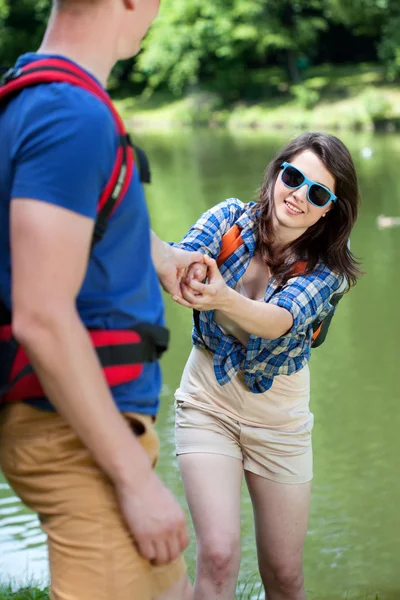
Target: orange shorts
91	552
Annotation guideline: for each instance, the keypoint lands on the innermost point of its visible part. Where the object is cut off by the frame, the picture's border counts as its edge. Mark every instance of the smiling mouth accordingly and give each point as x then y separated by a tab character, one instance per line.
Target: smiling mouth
294	208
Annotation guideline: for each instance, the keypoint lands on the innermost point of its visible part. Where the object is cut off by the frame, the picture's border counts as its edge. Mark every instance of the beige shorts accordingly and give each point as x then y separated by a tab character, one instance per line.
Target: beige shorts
283	456
269	432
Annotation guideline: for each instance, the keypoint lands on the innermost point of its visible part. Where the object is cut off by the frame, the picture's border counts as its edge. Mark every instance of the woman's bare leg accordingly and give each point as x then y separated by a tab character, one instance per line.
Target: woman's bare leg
212	485
281	519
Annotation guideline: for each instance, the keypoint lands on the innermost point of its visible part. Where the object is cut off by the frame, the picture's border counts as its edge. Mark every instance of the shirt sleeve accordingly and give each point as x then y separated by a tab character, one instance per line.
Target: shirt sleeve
307	297
65	150
206	234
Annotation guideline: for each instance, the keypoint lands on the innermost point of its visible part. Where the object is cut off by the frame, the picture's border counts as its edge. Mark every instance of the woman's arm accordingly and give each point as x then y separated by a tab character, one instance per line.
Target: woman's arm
294	308
257	318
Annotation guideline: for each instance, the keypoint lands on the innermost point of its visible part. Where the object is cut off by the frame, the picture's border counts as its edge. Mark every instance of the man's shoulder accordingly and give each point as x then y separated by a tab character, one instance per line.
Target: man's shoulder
58	116
67	102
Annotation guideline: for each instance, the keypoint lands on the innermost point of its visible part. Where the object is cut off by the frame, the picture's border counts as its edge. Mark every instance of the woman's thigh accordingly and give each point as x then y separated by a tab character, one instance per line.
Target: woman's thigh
212	485
281	514
278	468
210	460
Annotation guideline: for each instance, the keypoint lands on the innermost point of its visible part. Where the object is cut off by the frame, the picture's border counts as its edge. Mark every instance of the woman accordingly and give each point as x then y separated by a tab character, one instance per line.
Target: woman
243	402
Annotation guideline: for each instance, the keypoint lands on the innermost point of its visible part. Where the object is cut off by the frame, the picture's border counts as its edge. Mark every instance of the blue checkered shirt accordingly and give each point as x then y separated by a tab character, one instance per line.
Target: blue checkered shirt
305	297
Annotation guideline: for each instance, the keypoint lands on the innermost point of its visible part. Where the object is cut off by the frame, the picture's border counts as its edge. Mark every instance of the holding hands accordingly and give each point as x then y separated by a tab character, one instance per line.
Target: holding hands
182	273
203	296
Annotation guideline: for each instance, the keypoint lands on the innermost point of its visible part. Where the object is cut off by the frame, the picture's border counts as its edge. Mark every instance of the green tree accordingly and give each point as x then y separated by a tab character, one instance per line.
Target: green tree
22	23
389	46
212	38
377	17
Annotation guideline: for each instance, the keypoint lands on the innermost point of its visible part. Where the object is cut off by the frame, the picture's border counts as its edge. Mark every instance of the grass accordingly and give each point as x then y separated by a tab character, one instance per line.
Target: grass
347	97
28	593
249	591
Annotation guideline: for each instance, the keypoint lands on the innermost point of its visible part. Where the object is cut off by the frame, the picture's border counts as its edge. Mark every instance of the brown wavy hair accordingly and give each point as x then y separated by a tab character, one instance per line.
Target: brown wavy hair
327	240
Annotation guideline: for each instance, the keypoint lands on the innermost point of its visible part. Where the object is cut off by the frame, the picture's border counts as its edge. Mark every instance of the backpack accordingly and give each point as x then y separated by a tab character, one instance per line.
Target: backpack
231	241
121	353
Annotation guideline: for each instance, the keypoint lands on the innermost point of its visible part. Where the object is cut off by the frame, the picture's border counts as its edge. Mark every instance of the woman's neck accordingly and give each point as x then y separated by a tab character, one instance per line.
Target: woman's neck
284	236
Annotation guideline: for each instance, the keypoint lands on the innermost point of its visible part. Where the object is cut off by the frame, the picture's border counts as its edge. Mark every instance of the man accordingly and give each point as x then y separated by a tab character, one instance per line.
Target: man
114	531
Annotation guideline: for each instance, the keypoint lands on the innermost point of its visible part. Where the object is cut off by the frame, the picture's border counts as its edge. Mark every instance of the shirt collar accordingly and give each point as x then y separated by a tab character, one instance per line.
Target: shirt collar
248	228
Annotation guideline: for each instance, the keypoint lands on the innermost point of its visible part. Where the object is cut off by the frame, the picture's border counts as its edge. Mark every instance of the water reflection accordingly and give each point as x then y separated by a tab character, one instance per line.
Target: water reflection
23	555
353	542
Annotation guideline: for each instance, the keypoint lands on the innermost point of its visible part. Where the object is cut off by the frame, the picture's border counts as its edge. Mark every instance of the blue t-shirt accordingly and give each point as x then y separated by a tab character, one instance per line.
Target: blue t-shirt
59	145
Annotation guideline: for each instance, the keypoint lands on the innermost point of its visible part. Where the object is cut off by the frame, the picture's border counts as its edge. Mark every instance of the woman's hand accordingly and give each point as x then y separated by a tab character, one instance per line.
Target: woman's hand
196	272
210	296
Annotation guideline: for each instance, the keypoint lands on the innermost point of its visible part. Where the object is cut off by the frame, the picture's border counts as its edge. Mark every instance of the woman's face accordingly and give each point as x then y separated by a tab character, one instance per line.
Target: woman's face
292	208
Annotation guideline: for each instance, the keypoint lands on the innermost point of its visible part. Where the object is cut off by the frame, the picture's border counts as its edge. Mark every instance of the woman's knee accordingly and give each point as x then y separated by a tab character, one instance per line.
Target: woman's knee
285	576
219	558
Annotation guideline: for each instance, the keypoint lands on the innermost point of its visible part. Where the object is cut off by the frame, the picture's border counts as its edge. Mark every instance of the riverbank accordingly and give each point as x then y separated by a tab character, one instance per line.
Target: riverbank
354	97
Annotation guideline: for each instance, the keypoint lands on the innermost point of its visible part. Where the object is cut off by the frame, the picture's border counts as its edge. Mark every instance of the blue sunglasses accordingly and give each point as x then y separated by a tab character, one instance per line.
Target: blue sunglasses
317	194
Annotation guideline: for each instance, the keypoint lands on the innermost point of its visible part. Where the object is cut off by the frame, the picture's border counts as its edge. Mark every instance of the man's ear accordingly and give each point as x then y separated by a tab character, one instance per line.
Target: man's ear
129	4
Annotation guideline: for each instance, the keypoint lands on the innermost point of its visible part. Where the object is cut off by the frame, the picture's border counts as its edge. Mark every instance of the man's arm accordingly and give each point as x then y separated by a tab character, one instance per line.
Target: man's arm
50	248
171	263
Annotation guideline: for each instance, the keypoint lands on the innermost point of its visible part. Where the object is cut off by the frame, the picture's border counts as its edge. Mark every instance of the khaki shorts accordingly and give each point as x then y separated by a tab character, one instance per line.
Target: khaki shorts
91	553
284	456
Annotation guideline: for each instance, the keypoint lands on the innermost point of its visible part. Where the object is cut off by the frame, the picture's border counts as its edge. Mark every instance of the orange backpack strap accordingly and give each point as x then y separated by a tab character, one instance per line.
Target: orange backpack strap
299	267
231	241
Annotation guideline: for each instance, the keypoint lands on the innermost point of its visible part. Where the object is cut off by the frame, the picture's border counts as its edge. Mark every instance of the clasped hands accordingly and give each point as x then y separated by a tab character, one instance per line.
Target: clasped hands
194	281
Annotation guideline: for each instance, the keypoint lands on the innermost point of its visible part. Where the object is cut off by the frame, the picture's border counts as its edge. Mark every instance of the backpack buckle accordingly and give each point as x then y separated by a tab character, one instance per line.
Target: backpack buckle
11	75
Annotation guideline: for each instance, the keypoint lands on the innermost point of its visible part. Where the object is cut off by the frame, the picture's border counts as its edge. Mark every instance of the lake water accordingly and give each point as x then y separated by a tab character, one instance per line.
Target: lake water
353	544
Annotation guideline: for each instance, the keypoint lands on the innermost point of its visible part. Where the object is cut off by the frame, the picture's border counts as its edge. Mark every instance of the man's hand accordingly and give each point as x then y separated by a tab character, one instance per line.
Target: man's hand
155	519
197	271
172	264
201	296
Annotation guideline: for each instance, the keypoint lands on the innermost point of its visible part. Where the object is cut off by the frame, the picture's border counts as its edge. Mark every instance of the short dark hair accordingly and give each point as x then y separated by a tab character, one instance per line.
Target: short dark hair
75	3
327	240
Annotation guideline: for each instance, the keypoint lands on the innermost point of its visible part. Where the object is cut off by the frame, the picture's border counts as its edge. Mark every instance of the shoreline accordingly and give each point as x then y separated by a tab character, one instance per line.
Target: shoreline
348	98
191	113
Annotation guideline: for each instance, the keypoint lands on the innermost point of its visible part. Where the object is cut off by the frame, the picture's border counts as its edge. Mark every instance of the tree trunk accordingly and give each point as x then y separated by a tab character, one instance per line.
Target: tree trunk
294	72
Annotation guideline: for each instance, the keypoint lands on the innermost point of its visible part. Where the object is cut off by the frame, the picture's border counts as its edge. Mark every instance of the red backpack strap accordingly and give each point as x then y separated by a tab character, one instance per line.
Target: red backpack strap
231	241
59	70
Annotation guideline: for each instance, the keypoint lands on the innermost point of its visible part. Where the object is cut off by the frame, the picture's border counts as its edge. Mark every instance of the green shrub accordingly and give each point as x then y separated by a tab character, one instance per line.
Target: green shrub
306	97
376	105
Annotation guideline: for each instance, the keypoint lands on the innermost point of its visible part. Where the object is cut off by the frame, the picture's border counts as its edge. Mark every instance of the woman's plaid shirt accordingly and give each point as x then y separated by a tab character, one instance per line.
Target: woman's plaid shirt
305	297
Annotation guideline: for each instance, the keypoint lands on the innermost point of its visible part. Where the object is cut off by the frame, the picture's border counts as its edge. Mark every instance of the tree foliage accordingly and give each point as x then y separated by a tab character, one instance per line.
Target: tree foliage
218	41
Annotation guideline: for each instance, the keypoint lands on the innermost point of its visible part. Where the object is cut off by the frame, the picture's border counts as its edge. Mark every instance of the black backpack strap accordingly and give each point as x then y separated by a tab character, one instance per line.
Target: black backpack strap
142	162
196	319
324	324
